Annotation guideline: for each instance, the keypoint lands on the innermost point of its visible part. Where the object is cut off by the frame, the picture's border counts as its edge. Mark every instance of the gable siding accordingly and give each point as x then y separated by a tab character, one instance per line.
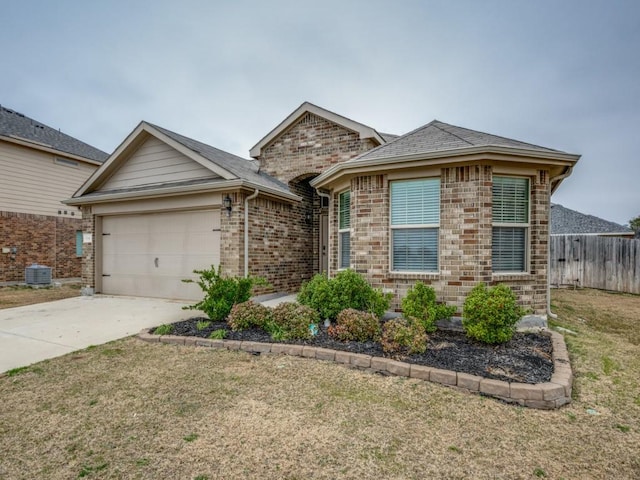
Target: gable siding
154	163
31	182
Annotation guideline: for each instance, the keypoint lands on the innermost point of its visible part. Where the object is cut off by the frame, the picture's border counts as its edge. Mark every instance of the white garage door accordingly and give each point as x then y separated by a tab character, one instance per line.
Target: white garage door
148	255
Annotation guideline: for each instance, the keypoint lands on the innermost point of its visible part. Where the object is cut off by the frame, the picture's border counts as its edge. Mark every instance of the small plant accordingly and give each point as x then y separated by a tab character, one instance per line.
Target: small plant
347	289
354	325
540	473
247	315
402	336
420	303
221	293
203	325
490	315
623	428
219	334
191	437
165	329
292	321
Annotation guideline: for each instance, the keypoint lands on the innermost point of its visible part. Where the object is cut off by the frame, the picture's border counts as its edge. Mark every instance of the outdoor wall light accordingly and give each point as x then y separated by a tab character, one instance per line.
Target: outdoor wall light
308	217
226	203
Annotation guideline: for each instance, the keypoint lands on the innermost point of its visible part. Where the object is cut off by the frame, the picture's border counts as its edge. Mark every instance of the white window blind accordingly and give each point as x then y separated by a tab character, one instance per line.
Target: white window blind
344	232
510	224
415	222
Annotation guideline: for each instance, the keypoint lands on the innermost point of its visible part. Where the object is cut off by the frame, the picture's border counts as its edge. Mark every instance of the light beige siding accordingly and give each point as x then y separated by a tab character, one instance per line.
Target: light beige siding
149	254
31	181
156	163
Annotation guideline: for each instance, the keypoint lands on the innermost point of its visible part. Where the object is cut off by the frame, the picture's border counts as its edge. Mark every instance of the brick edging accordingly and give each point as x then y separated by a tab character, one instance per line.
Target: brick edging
545	396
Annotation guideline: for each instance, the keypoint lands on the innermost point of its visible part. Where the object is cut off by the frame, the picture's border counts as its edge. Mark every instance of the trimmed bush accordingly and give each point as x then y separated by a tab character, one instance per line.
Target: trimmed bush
490	315
420	303
346	290
402	336
354	325
247	315
291	321
221	293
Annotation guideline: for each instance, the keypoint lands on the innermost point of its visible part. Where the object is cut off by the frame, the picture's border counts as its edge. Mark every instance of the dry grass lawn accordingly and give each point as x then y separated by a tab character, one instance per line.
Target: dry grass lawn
20	295
130	409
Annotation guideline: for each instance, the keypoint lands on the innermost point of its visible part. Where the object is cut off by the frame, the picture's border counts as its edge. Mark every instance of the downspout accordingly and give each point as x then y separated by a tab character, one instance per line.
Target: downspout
328	197
246	231
551	182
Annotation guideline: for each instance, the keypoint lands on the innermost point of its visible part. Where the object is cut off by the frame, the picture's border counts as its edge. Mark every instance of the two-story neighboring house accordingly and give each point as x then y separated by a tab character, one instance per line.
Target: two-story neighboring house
442	204
39	167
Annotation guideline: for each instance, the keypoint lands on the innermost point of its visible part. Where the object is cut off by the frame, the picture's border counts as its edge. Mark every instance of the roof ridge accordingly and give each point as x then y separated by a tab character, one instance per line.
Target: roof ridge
436	124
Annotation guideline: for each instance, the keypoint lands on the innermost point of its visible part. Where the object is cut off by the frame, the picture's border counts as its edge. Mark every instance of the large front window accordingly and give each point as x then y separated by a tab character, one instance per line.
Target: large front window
510	224
415	223
344	229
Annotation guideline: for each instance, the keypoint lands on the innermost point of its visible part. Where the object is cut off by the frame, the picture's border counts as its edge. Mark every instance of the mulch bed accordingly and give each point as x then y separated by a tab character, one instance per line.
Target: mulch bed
526	358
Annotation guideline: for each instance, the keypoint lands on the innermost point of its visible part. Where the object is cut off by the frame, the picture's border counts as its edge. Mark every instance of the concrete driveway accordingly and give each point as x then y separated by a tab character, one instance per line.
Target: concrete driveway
33	333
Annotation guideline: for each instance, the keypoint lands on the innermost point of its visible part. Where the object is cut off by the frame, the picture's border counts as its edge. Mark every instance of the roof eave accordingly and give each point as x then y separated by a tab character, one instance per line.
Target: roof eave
44	148
457	155
174	190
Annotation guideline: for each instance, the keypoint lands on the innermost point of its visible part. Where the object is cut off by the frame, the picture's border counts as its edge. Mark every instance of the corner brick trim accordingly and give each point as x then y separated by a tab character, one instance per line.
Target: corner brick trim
545	396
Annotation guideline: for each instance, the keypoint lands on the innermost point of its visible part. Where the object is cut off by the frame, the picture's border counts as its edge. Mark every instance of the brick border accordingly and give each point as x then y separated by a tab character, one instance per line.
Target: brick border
545	396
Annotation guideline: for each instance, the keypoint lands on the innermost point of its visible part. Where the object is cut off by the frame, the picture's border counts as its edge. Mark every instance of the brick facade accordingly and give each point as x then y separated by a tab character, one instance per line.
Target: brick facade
41	239
464	237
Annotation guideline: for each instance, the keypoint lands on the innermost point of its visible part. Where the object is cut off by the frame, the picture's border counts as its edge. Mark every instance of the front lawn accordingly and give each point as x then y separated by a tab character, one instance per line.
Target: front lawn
131	409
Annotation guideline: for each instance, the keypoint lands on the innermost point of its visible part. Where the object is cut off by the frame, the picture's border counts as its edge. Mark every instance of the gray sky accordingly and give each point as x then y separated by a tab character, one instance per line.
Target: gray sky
562	74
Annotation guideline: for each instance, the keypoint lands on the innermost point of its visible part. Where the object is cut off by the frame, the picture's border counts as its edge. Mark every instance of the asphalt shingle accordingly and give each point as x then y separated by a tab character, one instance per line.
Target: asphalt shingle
565	221
19	126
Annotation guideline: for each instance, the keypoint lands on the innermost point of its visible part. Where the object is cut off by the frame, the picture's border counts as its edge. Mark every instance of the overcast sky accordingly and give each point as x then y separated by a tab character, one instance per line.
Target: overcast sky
561	74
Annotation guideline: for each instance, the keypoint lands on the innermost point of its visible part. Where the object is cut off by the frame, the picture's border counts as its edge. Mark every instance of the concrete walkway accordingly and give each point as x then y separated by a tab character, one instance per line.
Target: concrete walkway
33	333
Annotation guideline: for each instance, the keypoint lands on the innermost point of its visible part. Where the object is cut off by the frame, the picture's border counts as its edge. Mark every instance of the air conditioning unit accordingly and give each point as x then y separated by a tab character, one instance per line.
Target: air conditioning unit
37	275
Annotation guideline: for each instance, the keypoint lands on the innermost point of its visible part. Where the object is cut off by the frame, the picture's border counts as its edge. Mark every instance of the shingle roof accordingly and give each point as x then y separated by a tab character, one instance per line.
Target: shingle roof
439	136
19	126
238	166
565	221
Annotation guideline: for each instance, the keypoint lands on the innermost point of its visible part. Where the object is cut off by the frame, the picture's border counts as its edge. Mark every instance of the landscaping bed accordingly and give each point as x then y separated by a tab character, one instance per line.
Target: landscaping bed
526	358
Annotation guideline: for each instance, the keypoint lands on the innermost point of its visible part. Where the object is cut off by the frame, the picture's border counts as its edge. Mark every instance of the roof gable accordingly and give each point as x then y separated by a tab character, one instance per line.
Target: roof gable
565	221
363	130
18	127
170	160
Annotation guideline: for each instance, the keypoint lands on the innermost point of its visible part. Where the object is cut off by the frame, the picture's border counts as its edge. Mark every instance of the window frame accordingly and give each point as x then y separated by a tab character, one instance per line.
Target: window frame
414	226
517	225
343	230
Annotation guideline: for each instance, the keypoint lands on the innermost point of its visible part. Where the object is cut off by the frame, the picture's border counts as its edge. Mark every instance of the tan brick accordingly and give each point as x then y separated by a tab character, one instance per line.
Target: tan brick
309	352
148	337
343	357
215	343
232	344
255	347
360	360
419	371
540	404
172	339
468	382
379	364
401	369
203	342
551	391
525	391
279	348
444	377
495	388
325	354
294	350
190	341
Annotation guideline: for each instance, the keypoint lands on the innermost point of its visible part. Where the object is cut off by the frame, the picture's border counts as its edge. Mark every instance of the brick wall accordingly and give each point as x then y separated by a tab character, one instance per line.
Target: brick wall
464	237
41	239
88	249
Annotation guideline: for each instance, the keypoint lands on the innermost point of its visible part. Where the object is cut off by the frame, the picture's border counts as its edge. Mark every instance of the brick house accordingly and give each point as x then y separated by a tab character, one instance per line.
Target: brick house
39	167
442	204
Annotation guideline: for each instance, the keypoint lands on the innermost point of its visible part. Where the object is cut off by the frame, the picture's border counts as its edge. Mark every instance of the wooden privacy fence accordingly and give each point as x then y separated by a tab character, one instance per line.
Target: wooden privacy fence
606	263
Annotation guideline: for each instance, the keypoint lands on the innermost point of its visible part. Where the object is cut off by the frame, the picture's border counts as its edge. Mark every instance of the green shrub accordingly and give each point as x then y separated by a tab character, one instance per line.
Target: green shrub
218	334
291	321
221	293
354	325
402	336
420	303
202	325
346	290
163	330
248	314
490	315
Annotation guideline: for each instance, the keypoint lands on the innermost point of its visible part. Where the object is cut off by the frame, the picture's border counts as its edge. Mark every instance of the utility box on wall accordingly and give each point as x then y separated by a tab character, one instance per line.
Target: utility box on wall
37	275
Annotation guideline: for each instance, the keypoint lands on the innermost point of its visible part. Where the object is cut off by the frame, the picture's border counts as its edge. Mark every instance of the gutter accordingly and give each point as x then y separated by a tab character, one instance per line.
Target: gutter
246	231
557	180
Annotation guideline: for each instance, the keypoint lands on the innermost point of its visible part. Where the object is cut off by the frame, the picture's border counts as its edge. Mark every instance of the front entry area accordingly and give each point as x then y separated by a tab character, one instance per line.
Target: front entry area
148	255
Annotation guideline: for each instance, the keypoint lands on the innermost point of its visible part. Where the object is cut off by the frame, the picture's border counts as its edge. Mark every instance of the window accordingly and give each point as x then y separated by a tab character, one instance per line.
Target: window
510	224
78	243
415	224
344	230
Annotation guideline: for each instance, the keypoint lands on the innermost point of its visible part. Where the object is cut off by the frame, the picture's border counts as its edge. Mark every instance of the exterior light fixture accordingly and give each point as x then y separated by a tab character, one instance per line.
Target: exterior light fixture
226	203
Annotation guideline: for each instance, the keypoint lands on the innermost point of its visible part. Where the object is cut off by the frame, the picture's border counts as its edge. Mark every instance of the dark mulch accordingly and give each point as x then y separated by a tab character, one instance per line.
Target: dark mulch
526	358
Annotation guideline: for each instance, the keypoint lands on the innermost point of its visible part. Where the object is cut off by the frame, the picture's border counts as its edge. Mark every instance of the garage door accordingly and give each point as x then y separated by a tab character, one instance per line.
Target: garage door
149	254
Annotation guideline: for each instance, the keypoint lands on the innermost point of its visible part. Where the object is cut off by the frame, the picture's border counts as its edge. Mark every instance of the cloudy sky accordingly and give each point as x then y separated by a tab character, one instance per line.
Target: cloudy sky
562	74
